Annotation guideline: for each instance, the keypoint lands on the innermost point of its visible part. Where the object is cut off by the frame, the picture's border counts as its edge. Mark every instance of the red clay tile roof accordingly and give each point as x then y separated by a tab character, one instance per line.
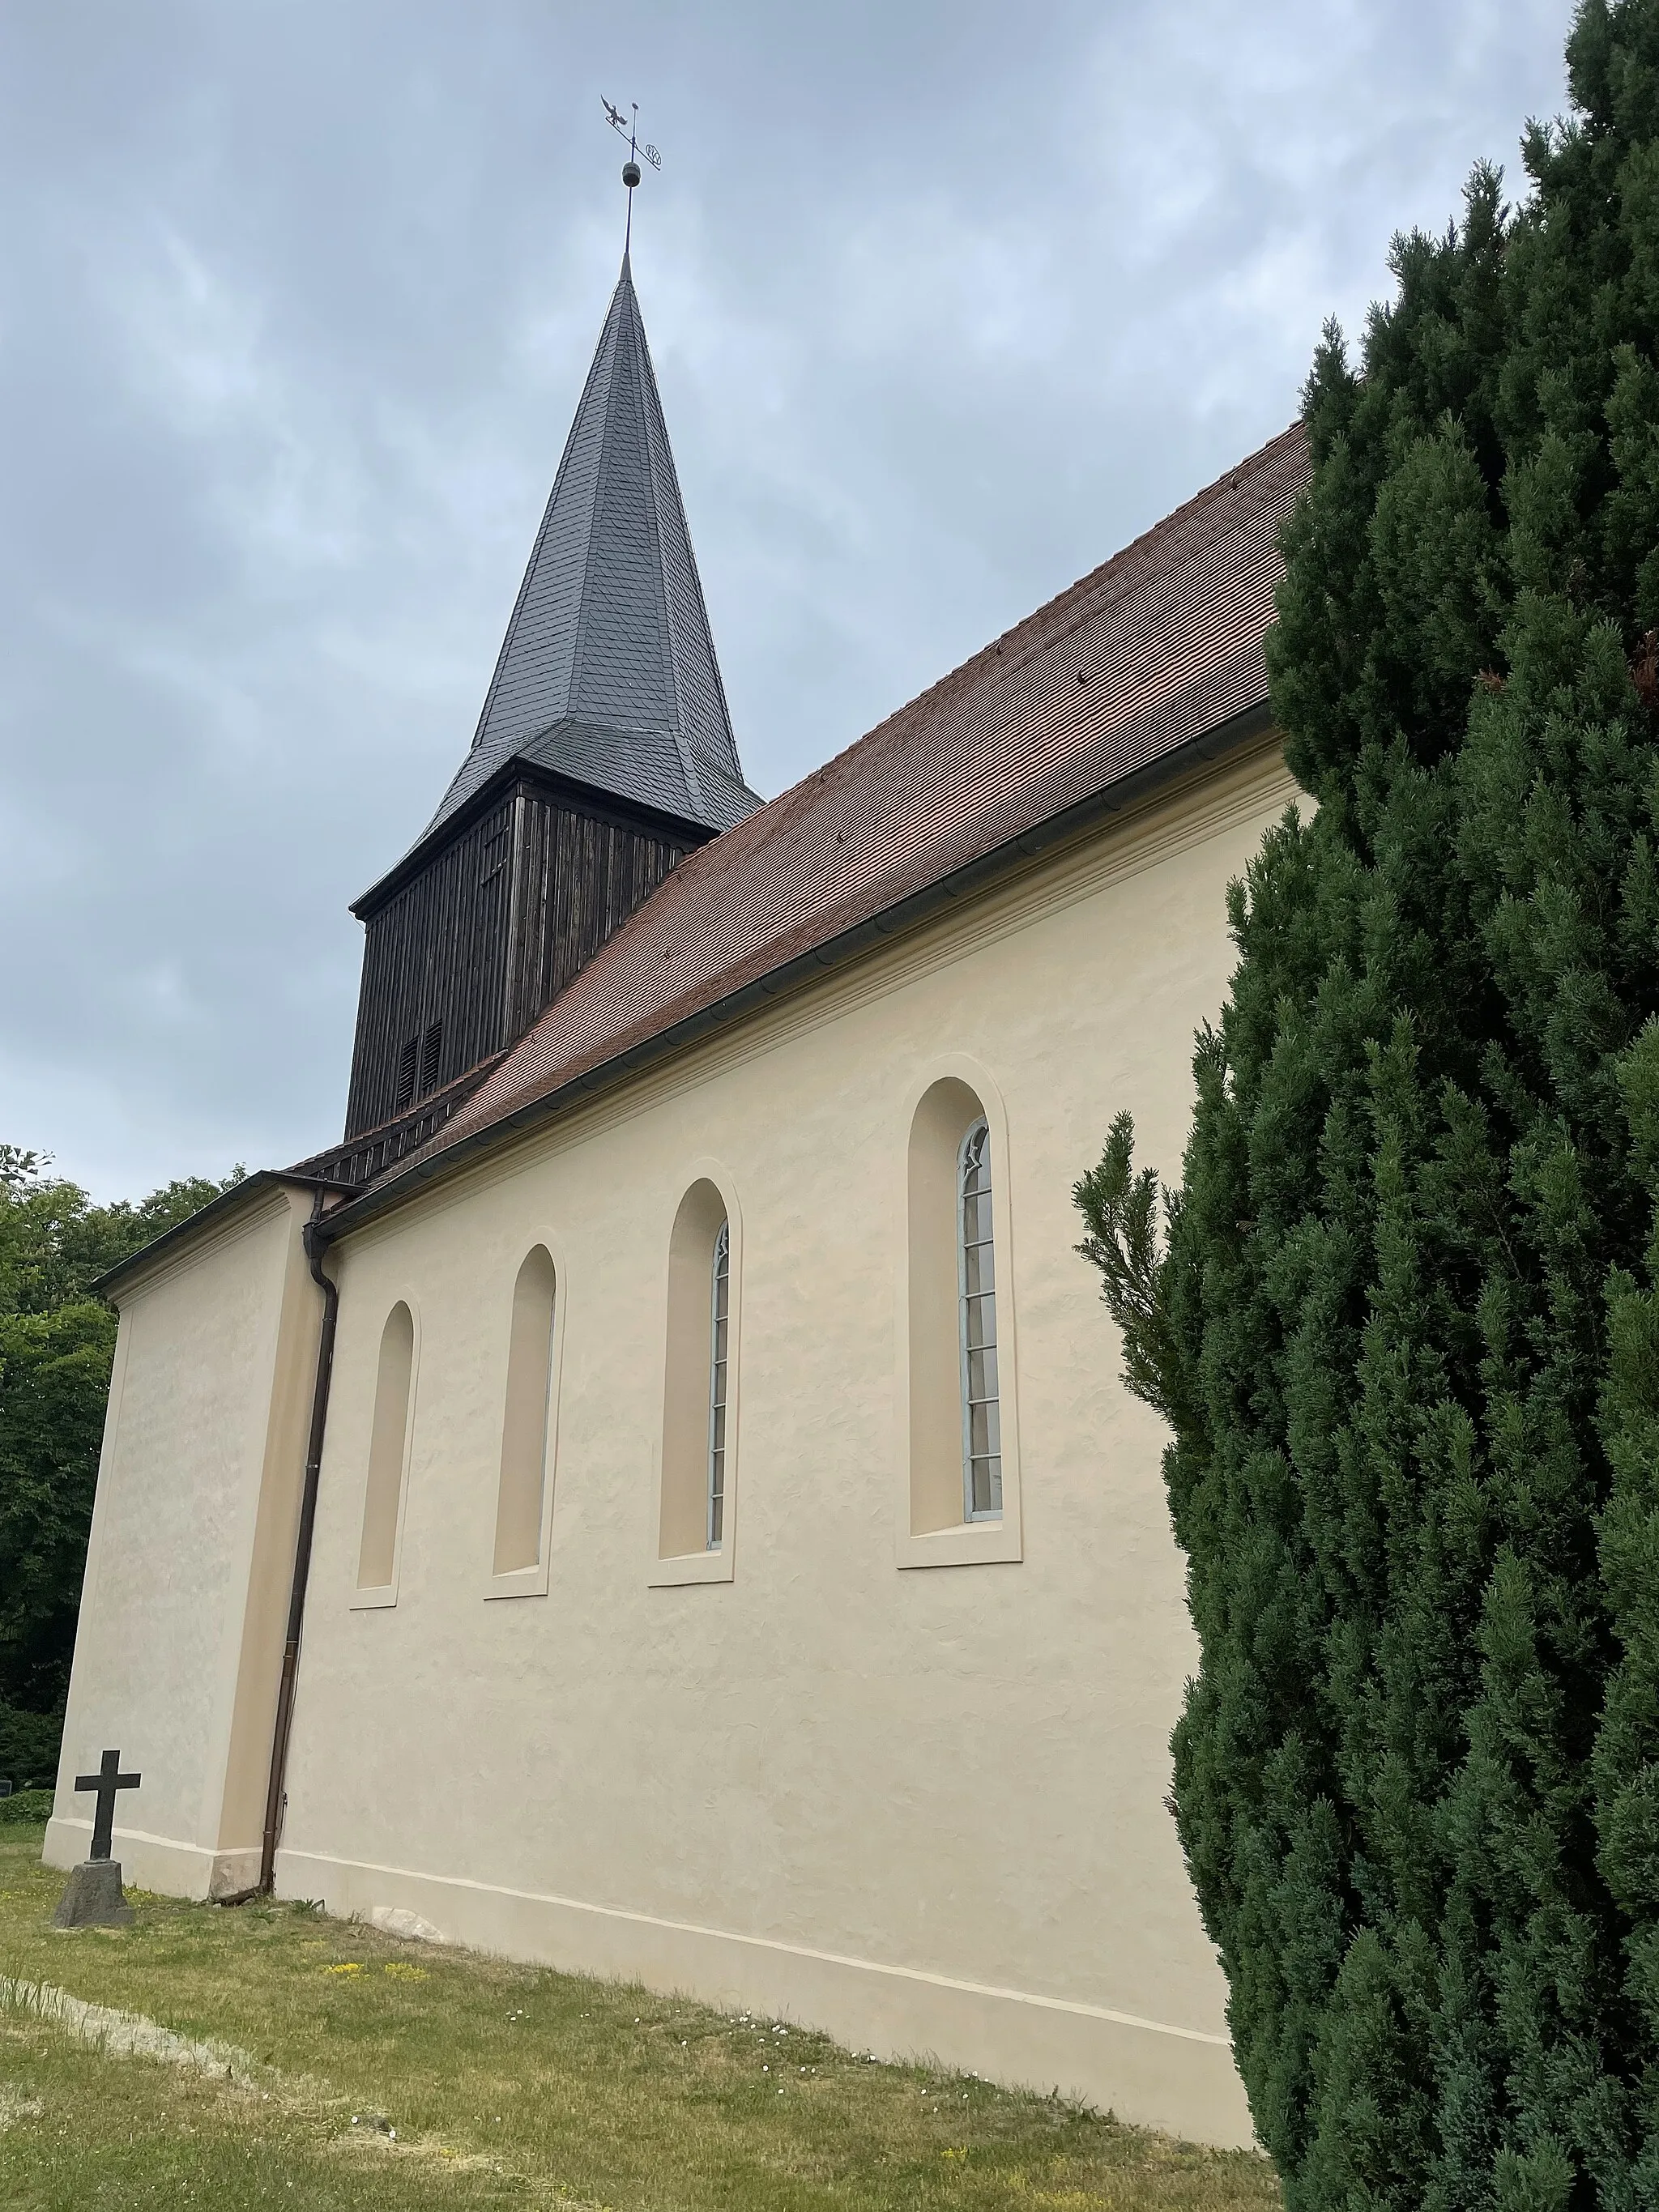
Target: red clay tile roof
1160	646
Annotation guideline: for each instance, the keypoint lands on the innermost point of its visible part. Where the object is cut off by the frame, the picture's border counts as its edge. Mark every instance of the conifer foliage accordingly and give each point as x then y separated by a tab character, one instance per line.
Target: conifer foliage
1402	1313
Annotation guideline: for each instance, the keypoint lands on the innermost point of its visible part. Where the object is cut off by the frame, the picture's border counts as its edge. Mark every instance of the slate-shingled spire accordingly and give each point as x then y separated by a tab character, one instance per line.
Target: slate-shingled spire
607	674
603	756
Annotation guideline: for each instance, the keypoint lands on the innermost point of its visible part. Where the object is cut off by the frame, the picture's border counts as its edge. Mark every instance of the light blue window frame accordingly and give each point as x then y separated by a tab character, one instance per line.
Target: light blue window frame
981	1417
719	1336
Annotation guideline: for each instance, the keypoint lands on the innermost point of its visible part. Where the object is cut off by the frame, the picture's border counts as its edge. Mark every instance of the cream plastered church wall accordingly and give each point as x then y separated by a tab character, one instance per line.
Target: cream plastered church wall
918	1805
183	1603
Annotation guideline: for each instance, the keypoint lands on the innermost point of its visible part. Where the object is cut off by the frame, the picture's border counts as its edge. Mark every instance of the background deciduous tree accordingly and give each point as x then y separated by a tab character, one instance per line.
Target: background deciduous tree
57	1340
1402	1314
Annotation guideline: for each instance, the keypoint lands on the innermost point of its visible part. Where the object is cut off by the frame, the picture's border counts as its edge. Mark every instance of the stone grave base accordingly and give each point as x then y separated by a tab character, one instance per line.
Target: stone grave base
92	1897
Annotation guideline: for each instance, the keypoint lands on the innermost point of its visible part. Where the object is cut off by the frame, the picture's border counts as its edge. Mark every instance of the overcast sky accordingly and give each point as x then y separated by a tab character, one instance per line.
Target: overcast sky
948	301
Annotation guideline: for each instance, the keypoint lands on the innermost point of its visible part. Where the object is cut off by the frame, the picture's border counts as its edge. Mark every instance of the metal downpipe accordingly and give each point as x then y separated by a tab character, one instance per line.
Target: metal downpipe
315	1247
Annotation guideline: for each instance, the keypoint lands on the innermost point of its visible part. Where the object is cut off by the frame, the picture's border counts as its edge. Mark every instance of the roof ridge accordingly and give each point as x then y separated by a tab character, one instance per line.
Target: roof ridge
645	379
939	692
1166	524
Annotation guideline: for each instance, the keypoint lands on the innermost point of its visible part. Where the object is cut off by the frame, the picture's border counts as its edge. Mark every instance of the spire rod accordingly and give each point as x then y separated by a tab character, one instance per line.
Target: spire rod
630	175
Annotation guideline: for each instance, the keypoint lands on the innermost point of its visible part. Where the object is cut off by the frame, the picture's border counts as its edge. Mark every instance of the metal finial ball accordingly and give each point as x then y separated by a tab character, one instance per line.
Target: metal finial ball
630	174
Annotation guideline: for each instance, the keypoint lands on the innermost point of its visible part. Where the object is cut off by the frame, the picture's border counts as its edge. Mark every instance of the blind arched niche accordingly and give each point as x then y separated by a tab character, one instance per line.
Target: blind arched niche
388	1443
527	1417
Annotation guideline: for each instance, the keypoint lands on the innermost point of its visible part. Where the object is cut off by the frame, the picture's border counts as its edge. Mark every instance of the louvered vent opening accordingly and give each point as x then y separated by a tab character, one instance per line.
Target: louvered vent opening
432	1053
404	1097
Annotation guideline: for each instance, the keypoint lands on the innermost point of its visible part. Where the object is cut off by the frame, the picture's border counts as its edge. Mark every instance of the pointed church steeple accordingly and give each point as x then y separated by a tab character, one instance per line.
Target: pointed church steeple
603	755
607	674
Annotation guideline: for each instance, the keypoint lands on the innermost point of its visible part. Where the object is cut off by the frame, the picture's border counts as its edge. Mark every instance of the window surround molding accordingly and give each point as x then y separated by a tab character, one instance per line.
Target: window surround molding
533	1581
962	1543
368	1600
677	1570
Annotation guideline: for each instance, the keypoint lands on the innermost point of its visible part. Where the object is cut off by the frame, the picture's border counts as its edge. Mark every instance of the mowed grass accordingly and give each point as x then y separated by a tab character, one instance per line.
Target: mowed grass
506	2085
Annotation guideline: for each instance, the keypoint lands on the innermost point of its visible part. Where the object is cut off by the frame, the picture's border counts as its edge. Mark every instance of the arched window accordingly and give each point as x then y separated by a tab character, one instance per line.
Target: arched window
976	1294
526	1419
958	1493
721	1304
388	1449
696	1502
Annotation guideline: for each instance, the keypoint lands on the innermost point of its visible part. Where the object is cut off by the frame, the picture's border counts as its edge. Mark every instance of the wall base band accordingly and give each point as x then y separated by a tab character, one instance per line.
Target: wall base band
1150	2072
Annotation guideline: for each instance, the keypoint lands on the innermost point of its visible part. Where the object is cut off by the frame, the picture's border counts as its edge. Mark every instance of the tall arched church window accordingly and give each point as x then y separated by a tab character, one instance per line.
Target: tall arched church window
981	1434
721	1321
703	1367
958	1489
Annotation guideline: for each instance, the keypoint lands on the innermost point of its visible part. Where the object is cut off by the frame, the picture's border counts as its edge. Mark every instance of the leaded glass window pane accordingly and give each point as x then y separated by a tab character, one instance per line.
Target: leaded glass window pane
981	1427
720	1322
979	1267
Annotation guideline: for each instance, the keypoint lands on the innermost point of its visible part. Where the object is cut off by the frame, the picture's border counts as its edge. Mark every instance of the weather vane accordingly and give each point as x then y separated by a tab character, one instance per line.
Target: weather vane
631	131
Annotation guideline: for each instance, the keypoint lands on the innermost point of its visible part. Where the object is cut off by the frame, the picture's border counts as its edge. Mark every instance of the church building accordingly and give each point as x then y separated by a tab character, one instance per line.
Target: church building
656	1496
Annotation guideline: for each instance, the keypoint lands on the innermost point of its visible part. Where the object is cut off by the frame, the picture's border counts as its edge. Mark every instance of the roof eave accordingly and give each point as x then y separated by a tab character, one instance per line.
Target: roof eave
227	1201
1232	735
593	796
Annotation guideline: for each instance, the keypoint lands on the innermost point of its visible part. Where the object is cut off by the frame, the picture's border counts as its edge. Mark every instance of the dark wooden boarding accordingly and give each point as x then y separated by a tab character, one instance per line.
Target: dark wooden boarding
473	938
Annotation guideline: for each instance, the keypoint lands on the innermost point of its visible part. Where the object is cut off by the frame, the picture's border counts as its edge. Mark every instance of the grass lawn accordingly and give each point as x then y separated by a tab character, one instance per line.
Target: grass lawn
297	2043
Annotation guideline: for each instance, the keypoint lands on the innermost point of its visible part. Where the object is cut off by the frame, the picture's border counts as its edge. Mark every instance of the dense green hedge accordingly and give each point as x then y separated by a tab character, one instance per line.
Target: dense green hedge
1404	1324
25	1805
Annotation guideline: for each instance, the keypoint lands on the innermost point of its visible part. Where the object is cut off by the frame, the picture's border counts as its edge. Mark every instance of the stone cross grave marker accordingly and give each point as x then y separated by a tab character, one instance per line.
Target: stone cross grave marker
92	1897
108	1779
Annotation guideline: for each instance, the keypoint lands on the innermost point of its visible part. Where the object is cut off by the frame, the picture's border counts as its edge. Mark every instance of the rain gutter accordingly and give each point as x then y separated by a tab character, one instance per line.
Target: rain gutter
227	1201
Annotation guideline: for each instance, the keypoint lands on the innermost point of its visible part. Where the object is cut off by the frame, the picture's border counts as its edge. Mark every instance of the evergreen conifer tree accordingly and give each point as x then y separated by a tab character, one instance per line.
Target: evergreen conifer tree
1403	1314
